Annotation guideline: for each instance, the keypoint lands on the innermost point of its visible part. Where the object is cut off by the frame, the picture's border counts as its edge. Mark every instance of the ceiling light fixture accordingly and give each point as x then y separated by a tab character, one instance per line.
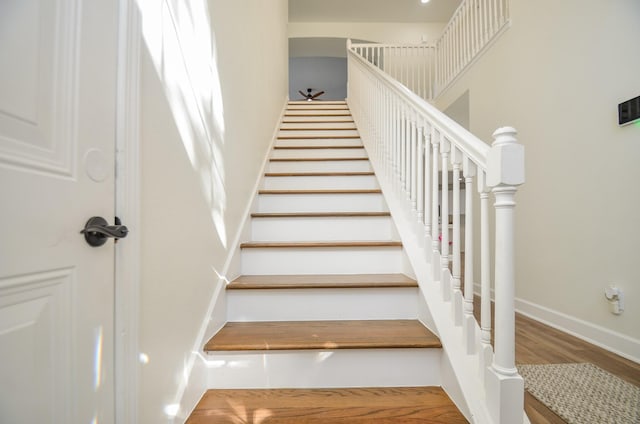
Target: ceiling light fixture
424	1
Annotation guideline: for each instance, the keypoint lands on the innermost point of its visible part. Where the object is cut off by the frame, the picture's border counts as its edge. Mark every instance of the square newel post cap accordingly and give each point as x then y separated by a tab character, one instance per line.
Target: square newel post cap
505	164
348	43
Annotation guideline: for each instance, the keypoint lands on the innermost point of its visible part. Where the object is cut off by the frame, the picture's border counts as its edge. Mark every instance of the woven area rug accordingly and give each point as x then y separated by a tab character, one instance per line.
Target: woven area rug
583	393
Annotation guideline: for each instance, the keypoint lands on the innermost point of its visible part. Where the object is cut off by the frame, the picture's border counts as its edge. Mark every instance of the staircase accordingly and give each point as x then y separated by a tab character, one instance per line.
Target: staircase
324	323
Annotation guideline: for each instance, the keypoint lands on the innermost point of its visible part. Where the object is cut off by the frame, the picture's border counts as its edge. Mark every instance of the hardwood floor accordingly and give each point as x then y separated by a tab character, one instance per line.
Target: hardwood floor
408	405
537	343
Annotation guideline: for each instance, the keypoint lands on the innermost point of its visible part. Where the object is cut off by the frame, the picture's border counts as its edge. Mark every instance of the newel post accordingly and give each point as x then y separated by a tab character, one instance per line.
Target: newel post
505	172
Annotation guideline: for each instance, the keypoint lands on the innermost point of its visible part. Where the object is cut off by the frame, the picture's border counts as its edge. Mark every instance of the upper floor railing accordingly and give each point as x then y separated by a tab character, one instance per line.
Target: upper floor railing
474	25
412	65
427	69
418	153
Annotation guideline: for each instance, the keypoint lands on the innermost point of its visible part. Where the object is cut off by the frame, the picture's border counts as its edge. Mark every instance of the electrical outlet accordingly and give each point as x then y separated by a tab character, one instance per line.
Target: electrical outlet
614	296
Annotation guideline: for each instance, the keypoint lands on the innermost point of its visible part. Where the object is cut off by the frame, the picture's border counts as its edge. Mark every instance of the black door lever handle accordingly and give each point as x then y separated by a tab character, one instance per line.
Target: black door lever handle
96	231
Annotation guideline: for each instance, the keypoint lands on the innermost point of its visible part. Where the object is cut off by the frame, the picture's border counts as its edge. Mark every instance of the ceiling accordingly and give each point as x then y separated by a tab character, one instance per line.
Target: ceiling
371	10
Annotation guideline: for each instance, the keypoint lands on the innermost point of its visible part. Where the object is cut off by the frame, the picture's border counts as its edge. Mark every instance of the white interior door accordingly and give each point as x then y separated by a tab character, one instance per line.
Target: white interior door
57	132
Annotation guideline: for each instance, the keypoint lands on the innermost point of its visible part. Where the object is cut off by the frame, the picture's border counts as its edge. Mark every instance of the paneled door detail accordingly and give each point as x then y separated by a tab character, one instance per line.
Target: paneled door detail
58	64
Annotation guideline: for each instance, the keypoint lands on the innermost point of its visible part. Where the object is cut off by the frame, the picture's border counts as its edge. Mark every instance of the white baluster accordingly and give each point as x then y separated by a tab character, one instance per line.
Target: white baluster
485	32
405	78
485	276
435	193
469	325
407	157
396	142
412	65
505	386
420	172
456	268
403	148
391	118
476	25
427	185
387	134
413	158
396	61
465	30
445	274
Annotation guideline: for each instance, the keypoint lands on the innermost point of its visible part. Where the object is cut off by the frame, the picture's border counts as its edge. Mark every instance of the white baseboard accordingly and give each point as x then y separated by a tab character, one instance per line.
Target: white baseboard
614	342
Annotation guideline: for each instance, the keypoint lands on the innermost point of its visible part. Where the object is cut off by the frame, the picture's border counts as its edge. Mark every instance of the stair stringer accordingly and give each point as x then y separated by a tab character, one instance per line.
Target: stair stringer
460	372
195	379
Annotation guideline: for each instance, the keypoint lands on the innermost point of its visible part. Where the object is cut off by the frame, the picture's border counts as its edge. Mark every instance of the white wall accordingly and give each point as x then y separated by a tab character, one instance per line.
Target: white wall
321	73
557	75
204	135
380	32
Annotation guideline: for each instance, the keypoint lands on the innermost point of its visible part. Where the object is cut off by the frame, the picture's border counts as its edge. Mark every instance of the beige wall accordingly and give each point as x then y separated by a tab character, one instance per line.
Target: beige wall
557	75
379	32
214	82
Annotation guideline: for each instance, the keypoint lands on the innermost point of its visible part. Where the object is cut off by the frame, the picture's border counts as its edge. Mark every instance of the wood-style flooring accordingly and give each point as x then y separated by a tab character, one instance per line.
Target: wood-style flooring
537	343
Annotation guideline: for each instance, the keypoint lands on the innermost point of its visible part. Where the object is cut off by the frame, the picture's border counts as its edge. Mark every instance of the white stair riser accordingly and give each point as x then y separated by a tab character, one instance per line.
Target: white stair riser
315	106
288	261
315	112
322	304
320	142
319	125
319	133
325	369
321	182
321	229
318	118
320	166
321	203
319	153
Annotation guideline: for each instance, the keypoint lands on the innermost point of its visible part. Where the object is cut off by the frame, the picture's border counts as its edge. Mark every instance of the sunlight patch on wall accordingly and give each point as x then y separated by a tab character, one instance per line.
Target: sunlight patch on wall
97	361
182	46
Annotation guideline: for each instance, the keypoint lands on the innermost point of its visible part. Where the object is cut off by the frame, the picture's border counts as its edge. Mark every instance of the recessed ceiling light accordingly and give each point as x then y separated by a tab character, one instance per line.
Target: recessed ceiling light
424	1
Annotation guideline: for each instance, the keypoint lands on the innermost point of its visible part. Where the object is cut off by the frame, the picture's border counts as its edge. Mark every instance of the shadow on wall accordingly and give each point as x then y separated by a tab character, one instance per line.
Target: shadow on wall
184	194
182	47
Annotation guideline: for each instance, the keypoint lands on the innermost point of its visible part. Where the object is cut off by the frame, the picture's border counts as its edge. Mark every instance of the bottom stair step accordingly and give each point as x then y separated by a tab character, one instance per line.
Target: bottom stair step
427	405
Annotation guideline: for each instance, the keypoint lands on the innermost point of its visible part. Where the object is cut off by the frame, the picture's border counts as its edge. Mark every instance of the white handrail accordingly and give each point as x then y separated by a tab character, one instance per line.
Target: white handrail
473	147
415	148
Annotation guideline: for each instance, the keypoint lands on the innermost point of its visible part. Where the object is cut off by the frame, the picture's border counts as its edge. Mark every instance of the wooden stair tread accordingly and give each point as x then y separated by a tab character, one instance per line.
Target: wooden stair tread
321	281
316	159
318	244
317	101
319	129
317	137
319	174
289	114
380	405
316	109
319	214
341	191
355	146
314	335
